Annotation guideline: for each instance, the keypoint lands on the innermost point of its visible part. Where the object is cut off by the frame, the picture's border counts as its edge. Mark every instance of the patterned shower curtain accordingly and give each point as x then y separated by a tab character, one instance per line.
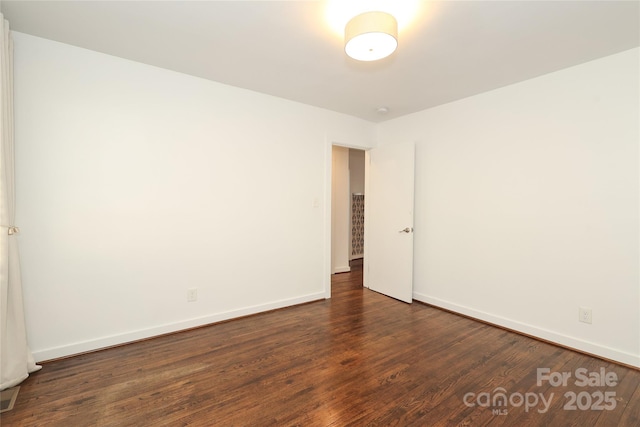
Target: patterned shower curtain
357	225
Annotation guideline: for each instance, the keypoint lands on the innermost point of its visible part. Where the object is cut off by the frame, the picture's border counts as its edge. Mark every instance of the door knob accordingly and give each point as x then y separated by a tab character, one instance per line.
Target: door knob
406	230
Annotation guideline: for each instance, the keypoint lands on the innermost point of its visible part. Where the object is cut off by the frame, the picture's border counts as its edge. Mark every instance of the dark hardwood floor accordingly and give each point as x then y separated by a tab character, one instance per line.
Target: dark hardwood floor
358	359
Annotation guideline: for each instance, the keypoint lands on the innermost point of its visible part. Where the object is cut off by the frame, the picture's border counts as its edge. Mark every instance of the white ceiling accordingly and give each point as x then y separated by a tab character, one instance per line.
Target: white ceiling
451	49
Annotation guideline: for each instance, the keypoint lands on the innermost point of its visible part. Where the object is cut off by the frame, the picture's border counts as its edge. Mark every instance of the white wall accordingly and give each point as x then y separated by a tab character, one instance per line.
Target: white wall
136	183
527	205
356	171
340	211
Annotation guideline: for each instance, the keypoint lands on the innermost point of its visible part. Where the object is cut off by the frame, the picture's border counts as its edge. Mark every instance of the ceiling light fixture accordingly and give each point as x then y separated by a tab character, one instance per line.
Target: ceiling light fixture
371	36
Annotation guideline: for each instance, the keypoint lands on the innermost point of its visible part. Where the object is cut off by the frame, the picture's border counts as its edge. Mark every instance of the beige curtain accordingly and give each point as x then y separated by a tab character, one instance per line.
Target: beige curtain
16	361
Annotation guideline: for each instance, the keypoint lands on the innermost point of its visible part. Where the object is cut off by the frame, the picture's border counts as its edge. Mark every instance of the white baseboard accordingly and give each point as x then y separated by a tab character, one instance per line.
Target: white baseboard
131	336
341	269
564	340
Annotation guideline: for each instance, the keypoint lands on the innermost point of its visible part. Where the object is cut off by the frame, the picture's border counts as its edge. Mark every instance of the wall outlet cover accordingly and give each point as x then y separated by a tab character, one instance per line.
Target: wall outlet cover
585	315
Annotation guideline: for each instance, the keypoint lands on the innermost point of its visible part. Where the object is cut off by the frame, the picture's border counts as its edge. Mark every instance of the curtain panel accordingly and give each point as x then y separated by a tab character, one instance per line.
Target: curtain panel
16	361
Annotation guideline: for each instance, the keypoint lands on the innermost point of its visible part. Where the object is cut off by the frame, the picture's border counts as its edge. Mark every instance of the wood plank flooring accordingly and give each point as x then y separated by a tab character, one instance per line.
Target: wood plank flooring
358	359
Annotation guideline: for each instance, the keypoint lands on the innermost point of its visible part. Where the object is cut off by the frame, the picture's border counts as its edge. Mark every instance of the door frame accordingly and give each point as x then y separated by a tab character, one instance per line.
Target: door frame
328	169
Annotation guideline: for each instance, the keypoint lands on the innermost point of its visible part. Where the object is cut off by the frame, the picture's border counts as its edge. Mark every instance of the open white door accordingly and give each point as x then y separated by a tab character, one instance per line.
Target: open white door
389	221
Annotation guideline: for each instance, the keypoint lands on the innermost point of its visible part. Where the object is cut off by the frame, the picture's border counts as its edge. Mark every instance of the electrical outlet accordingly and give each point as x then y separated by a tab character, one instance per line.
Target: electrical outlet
192	295
584	315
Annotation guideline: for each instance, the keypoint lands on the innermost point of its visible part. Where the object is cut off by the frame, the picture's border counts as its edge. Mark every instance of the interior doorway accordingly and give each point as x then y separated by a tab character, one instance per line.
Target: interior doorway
347	208
387	265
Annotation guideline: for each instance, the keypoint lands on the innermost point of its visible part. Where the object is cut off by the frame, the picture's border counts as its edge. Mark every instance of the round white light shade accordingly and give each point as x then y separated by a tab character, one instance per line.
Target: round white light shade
371	36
